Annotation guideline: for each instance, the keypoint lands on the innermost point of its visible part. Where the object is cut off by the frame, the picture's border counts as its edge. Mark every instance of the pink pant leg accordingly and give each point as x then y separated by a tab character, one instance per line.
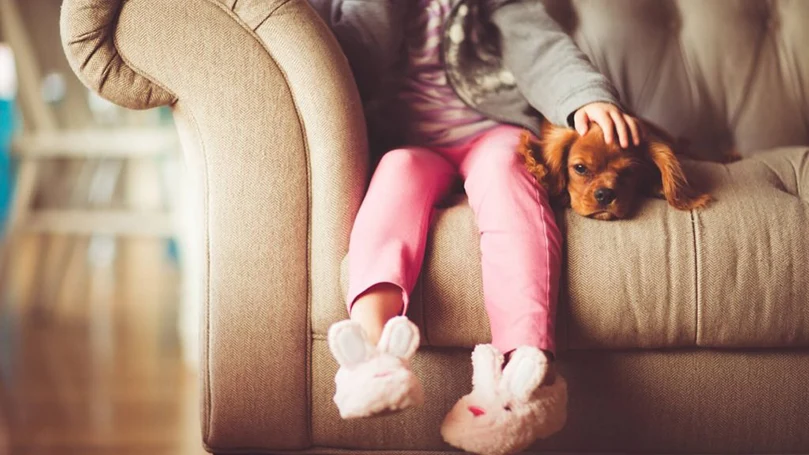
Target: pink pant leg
519	241
389	235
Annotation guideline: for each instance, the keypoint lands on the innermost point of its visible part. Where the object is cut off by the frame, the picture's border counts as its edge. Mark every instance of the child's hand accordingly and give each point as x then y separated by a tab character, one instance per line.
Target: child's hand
611	119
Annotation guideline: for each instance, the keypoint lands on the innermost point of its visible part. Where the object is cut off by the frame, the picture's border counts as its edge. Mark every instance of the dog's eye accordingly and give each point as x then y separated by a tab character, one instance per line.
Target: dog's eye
580	169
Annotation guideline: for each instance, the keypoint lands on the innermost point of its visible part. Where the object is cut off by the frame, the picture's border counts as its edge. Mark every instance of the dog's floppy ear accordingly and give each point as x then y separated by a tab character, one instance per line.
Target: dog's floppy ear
546	158
555	144
669	181
531	153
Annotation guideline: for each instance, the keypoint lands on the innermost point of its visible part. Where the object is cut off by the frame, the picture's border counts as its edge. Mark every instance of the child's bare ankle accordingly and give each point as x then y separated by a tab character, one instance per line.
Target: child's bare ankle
375	307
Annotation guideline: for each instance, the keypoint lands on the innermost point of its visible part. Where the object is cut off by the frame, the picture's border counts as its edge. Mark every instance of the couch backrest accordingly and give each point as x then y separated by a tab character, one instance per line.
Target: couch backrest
725	74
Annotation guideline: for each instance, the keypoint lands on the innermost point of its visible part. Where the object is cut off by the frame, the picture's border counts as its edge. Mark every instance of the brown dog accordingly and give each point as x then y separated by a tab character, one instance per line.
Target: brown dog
603	181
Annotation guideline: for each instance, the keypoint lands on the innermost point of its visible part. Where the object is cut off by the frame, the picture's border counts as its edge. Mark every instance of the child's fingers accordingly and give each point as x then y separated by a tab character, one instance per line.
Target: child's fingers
581	121
605	122
633	127
620	128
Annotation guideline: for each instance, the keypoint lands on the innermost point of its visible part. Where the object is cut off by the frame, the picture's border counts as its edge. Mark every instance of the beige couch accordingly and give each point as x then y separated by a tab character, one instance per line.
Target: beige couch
679	332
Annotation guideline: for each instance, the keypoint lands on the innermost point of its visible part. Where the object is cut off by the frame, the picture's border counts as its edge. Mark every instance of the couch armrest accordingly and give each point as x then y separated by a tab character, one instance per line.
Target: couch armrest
274	140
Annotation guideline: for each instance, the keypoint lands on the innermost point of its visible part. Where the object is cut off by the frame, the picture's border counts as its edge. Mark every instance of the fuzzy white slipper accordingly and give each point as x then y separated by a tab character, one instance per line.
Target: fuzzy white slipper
507	409
374	380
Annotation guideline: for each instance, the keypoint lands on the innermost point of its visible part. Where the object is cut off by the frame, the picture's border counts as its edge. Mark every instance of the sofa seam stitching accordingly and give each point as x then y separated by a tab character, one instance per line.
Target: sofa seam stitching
269	15
206	217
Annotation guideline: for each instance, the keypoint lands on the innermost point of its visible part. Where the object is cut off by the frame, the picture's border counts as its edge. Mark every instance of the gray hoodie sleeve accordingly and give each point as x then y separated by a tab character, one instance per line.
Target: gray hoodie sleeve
552	73
371	34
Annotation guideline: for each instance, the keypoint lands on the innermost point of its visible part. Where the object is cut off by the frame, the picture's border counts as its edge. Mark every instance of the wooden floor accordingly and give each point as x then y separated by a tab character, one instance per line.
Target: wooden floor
92	365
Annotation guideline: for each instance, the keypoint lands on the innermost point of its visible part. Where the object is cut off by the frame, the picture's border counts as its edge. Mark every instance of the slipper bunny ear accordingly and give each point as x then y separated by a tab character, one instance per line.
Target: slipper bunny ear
524	372
487	368
400	338
348	344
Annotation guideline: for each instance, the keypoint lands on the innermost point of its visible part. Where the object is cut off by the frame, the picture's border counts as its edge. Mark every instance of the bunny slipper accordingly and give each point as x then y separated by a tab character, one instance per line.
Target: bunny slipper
507	409
375	380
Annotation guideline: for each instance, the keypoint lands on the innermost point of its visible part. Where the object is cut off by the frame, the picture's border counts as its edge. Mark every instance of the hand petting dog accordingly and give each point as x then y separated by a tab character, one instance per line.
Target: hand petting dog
599	179
611	120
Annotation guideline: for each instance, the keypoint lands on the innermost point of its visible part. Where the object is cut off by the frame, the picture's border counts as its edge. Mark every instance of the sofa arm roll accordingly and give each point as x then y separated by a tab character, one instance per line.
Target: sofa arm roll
274	142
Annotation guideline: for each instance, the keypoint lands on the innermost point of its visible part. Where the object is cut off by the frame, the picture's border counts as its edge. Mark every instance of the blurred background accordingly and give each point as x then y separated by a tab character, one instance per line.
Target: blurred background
97	332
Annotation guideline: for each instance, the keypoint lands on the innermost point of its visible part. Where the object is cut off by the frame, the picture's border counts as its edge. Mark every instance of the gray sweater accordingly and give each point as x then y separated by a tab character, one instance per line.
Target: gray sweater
507	59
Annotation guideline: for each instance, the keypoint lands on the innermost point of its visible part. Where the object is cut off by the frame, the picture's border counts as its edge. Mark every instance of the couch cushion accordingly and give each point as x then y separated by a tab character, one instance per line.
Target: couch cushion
753	253
733	275
640	402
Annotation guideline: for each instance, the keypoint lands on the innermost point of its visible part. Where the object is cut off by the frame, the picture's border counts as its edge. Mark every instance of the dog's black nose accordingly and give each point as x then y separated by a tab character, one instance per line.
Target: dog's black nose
604	195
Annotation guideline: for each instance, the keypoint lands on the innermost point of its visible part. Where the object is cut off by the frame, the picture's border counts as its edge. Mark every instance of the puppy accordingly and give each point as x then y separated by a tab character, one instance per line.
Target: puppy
606	182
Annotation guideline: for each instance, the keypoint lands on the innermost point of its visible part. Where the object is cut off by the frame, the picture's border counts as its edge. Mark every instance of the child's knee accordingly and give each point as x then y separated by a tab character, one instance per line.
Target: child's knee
414	172
407	161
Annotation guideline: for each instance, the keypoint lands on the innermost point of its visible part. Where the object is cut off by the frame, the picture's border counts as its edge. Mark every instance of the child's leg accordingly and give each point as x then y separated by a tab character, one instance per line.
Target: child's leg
375	307
521	253
519	240
385	255
389	235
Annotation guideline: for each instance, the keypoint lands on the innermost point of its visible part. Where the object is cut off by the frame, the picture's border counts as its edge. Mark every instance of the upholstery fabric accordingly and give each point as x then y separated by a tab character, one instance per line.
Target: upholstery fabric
88	28
255	136
733	275
274	140
620	402
244	170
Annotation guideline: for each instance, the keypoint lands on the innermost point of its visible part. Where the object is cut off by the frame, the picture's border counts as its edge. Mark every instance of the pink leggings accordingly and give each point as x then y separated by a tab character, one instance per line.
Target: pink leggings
519	240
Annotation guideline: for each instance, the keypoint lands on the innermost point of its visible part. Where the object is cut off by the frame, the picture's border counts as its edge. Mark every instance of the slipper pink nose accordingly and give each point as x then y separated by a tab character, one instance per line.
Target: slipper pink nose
476	411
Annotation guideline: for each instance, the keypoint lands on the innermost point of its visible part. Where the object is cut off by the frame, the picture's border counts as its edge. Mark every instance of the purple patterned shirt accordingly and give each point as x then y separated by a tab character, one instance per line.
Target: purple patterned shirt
437	117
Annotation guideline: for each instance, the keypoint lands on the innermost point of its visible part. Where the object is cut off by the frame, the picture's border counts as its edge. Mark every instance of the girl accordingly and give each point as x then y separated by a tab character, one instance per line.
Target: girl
453	83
